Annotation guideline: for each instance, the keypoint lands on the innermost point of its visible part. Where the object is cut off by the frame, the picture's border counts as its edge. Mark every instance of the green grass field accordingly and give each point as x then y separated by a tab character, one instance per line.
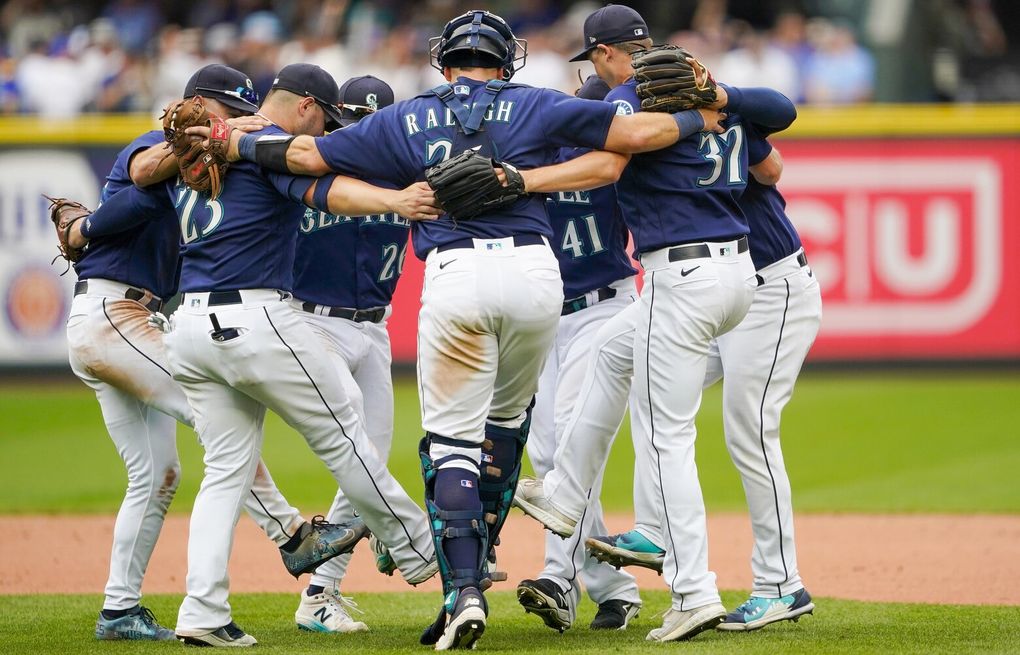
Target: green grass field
944	442
889	442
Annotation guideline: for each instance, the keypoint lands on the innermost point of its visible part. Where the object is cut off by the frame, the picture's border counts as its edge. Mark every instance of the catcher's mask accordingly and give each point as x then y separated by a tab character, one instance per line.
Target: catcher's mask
478	38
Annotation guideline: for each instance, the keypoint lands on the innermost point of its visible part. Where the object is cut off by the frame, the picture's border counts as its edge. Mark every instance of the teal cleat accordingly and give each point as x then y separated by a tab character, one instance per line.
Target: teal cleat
137	625
757	612
627	549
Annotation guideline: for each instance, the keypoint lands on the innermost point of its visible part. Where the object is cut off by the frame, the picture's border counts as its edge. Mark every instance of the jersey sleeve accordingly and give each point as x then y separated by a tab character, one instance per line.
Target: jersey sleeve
291	186
624	100
357	150
758	147
767	108
123	210
570	121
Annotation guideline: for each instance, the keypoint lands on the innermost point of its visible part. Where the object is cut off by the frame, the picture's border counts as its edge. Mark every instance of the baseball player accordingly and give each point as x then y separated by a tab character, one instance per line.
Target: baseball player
130	265
759	361
681	205
345	300
237	347
493	292
590	241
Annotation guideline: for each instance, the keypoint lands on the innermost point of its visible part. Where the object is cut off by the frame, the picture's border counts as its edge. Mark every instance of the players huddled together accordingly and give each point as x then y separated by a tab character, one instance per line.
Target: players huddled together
284	226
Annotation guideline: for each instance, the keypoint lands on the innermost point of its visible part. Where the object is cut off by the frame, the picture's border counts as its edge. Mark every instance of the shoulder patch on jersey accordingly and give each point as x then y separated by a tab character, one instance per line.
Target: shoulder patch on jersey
623	108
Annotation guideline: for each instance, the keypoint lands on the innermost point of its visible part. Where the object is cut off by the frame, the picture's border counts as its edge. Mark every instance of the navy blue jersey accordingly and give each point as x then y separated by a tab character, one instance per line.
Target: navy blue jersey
244	239
524	126
688	191
345	261
145	255
589	236
772	236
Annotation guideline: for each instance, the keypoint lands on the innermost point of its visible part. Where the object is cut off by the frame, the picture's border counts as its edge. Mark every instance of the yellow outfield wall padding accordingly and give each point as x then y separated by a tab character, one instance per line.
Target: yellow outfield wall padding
812	122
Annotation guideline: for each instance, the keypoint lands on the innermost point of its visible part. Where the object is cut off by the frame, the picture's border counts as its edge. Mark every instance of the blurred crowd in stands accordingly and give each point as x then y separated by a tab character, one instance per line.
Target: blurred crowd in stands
60	58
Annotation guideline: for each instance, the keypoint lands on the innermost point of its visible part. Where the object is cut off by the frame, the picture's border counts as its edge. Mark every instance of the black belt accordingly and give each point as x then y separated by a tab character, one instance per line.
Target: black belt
519	240
224	298
801	261
581	302
154	305
374	315
700	250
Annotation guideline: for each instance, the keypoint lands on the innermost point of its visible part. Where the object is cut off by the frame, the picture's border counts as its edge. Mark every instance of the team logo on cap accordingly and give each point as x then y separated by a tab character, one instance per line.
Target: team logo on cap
638	32
372	101
247	81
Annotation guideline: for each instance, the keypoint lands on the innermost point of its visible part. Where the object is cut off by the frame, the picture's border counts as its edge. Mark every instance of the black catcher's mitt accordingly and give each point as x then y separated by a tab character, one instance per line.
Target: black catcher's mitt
670	79
466	185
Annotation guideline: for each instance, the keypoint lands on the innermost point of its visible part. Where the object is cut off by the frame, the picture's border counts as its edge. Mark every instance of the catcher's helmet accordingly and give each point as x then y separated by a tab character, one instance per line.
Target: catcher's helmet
478	38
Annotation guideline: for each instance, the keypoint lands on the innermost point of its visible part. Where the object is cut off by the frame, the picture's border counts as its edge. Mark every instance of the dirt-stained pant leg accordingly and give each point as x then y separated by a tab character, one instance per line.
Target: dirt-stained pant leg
114	351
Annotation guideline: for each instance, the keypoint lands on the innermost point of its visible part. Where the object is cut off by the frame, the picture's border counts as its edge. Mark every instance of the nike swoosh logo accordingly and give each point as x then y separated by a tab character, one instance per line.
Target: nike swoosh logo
444	264
684	272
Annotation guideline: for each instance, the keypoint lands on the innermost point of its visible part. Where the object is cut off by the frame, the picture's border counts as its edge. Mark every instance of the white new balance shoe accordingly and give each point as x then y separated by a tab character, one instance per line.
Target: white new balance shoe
328	612
531	499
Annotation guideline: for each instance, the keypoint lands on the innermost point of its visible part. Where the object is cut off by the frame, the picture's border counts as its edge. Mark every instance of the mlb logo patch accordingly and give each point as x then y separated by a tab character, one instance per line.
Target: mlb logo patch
494	246
462	89
467	483
487	458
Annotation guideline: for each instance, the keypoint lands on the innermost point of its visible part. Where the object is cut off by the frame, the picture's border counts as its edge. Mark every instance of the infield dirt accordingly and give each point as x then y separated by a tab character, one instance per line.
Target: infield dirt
898	558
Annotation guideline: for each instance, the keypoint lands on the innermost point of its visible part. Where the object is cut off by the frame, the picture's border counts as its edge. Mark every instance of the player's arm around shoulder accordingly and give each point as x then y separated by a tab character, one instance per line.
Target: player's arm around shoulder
769	170
634	131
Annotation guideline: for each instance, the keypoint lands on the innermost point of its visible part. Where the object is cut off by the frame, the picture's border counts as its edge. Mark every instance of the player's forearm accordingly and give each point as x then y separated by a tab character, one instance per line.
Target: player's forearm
124	210
351	197
769	170
152	165
589	171
298	155
647	131
762	106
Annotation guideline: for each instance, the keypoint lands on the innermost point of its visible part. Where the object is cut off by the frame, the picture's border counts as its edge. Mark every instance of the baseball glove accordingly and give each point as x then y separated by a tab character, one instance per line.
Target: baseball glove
202	167
670	79
466	185
65	214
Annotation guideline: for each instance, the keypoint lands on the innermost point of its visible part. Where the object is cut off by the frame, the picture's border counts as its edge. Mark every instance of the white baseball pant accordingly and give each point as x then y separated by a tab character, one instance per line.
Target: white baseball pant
361	356
487	321
114	351
685	304
558	389
276	362
759	362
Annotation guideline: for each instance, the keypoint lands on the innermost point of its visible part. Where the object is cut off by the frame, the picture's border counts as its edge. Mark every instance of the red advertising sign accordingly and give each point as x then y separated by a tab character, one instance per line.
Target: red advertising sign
912	242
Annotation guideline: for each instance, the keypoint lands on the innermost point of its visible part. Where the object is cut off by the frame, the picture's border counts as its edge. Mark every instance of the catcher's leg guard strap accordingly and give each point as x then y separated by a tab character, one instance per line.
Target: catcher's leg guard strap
456	518
502	452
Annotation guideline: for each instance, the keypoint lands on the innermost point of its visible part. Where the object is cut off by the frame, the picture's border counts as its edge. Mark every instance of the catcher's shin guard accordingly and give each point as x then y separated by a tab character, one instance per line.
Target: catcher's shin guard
502	452
452	523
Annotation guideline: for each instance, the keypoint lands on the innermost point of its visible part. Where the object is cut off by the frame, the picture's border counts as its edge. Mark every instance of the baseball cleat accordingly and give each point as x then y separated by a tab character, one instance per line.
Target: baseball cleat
383	560
321	541
757	612
327	612
137	625
677	625
615	615
544	598
530	498
229	636
466	622
626	549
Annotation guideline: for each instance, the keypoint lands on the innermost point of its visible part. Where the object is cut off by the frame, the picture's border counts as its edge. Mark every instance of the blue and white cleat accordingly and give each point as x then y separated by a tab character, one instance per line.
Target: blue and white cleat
626	549
757	612
138	625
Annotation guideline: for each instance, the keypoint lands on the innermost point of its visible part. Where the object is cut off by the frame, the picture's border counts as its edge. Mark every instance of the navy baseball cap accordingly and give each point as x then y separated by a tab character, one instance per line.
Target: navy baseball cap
611	24
228	85
361	96
312	82
594	88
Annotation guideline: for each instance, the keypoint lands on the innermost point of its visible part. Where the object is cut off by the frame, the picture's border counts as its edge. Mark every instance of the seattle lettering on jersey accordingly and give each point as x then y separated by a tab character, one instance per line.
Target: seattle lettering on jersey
428	119
315	220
